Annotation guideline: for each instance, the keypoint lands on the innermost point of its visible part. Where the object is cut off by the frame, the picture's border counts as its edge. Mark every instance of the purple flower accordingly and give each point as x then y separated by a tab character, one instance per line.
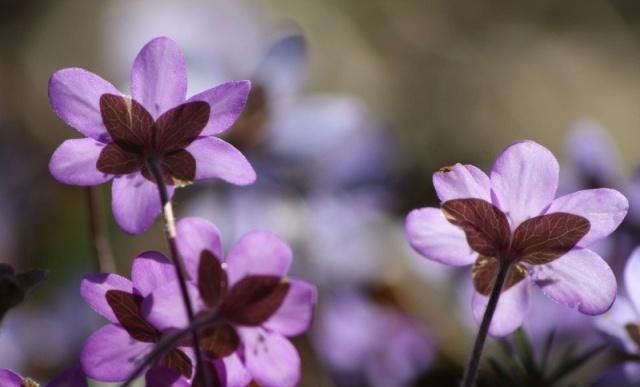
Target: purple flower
622	322
112	353
157	125
512	215
73	377
348	337
255	306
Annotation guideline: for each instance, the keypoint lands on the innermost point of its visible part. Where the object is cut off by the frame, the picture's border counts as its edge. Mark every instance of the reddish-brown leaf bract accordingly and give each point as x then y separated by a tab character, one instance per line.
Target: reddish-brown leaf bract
485	226
128	122
116	161
178	127
485	271
219	341
178	361
212	279
544	238
253	299
181	165
126	307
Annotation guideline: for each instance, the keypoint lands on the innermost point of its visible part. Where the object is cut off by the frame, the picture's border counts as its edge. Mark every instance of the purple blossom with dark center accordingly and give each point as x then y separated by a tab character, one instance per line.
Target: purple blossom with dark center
73	377
253	306
113	352
157	127
622	323
512	217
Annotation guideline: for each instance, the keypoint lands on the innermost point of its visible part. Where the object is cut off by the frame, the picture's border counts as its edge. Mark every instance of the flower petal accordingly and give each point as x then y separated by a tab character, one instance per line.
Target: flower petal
579	279
226	101
217	158
94	288
111	355
614	322
159	76
296	311
462	182
9	378
524	180
604	208
258	252
510	312
165	377
631	278
74	95
270	358
164	308
431	235
194	235
75	162
237	374
151	270
135	202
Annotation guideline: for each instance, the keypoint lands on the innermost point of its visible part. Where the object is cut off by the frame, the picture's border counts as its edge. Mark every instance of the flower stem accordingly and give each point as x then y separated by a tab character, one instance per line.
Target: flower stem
472	367
100	243
170	232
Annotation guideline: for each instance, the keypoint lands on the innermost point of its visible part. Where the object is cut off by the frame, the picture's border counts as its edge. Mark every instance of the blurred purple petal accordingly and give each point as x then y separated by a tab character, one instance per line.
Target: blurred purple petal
94	287
579	279
227	102
216	158
632	278
74	95
237	374
524	180
74	162
159	76
9	378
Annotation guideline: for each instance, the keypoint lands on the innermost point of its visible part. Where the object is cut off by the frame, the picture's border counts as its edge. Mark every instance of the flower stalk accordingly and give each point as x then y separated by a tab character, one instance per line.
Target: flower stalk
170	232
99	241
474	361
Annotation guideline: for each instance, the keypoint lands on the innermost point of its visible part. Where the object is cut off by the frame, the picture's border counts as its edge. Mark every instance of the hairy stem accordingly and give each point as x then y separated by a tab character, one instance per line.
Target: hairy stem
99	241
474	361
170	232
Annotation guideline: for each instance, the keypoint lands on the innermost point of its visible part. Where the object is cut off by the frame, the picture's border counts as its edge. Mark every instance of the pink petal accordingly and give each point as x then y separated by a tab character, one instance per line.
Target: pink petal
227	102
604	208
270	358
216	158
135	202
431	235
74	95
164	308
579	279
237	374
296	312
74	162
462	182
194	235
632	278
159	76
509	315
111	355
258	252
524	180
94	287
151	270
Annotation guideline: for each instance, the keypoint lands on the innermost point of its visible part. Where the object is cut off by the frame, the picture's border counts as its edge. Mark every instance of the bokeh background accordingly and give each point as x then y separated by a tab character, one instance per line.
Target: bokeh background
355	105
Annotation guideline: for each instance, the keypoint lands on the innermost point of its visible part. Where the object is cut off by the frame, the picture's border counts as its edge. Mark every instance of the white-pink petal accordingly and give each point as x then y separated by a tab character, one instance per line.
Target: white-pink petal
460	182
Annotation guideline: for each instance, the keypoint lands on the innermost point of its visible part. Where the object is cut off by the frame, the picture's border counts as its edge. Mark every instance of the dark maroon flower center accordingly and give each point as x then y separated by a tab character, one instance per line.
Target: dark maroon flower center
138	142
127	308
536	241
249	302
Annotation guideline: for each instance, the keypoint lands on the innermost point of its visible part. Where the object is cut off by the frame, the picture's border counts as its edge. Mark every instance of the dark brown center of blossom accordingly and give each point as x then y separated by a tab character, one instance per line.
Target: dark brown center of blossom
138	140
536	241
127	309
249	302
